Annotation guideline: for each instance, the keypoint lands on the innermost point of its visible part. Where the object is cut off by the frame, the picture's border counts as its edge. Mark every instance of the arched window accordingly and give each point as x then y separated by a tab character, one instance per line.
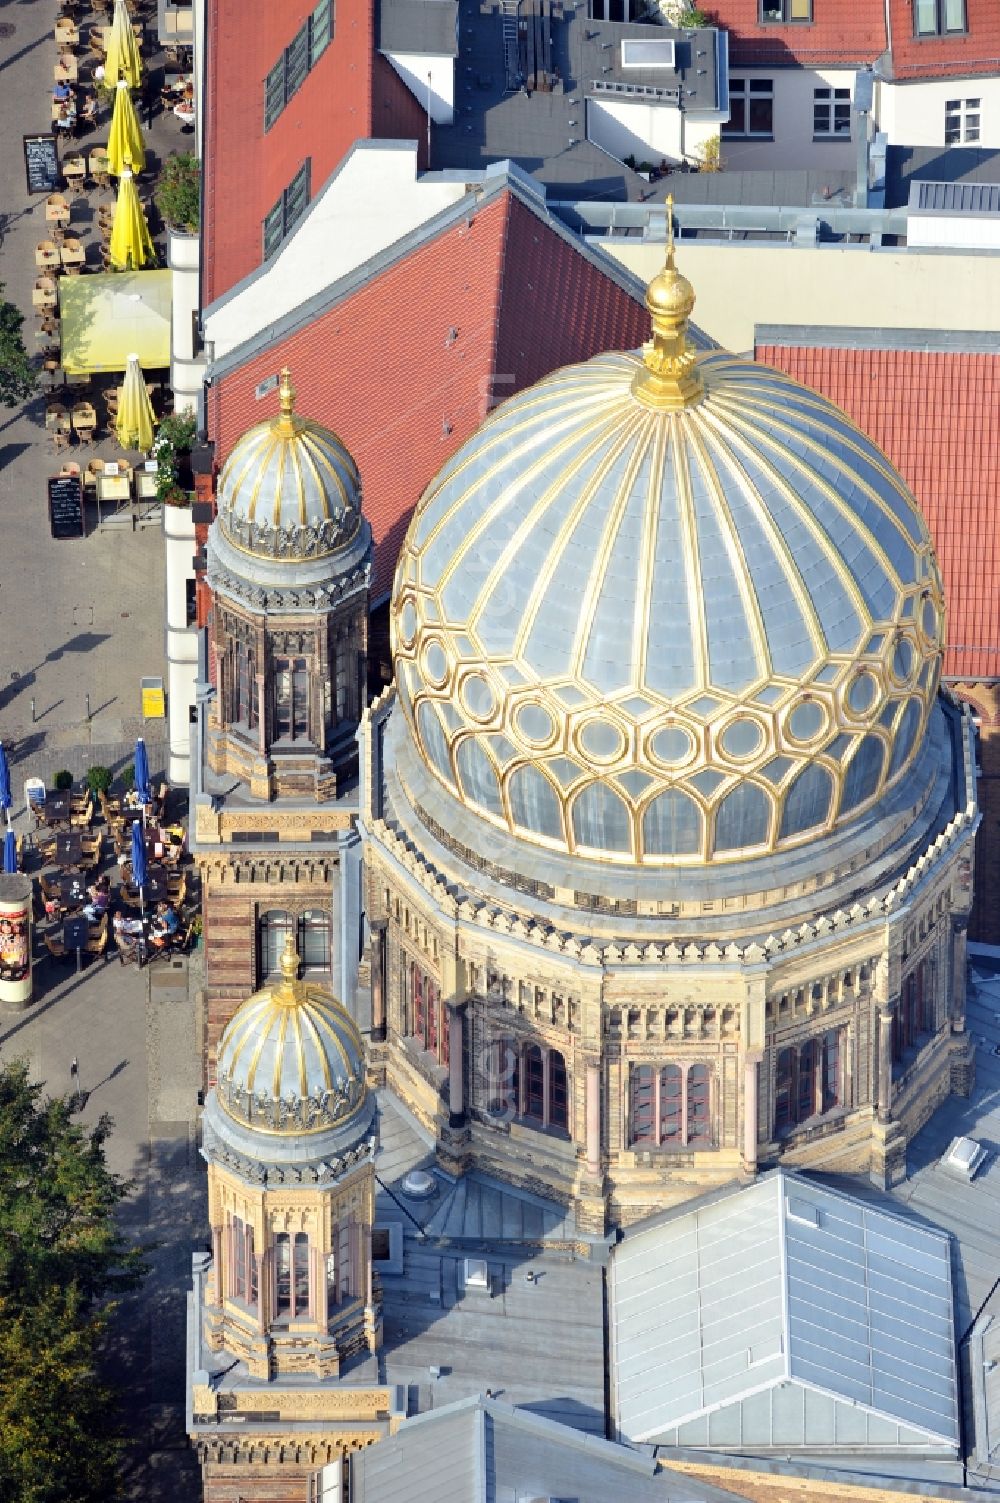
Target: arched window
533	1078
502	1080
275	926
913	1015
311	932
291	1275
670	1106
341	1269
291	699
245	706
558	1092
807	1080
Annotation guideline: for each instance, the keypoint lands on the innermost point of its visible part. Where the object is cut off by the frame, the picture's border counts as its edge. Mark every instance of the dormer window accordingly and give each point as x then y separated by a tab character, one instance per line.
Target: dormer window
785	11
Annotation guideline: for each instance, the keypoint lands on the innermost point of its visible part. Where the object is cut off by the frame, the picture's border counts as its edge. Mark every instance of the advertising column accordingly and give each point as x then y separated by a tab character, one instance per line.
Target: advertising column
15	940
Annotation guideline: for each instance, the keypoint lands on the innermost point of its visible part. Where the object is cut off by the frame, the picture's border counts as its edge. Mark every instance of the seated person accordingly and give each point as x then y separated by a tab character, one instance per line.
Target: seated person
66	118
100	900
165	926
53	907
88	110
128	937
62	93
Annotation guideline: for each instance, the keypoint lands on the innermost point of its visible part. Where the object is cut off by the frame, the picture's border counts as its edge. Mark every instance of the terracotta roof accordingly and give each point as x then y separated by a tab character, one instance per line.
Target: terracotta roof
843	34
934	414
405	367
352	92
975	51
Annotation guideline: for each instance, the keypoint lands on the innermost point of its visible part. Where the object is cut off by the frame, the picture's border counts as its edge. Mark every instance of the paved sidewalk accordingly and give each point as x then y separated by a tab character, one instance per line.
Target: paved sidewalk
81	617
133	1033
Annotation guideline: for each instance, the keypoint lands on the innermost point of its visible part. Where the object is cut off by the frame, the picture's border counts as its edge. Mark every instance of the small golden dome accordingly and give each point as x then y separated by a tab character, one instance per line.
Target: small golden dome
291	1060
669	294
289	489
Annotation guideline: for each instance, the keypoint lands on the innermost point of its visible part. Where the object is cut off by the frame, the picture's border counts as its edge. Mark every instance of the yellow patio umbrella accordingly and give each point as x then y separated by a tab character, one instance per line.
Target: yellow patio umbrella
125	144
131	243
123	58
134	423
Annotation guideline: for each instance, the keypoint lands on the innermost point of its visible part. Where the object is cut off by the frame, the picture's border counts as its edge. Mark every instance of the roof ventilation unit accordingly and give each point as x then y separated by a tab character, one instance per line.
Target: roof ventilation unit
964	1157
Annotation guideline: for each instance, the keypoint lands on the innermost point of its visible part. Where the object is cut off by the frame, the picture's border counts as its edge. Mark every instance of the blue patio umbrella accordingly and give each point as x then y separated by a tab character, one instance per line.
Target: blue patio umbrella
142	773
5	795
10	852
138	859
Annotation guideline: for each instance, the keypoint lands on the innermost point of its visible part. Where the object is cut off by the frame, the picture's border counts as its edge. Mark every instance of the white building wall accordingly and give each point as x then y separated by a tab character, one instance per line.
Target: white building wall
961	232
182	640
912	114
431	81
373	200
793	146
187	370
648	132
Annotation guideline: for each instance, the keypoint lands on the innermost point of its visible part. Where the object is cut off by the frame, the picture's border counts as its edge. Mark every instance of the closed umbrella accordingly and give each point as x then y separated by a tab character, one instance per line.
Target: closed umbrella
131	243
125	144
134	427
139	861
10	852
5	796
142	773
123	59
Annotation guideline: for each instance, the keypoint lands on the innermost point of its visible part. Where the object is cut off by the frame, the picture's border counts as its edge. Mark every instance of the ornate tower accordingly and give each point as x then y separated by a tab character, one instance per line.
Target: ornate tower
289	561
288	1294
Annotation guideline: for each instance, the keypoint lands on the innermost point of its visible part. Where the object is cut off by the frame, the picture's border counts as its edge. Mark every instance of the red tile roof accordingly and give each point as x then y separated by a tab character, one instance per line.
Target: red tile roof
975	51
935	415
351	93
382	368
843	34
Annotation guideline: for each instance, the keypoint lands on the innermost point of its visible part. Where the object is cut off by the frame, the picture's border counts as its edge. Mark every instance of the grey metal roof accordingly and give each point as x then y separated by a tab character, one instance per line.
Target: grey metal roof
958	164
954	198
428	26
786	1315
481	1451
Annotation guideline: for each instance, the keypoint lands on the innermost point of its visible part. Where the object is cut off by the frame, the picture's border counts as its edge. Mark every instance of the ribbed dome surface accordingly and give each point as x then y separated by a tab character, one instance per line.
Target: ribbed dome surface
291	1060
289	489
649	635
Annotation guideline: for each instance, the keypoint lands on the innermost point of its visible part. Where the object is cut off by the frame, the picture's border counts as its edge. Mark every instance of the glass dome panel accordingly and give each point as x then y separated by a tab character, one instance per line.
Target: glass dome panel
807	803
743	818
601	819
672	825
534	803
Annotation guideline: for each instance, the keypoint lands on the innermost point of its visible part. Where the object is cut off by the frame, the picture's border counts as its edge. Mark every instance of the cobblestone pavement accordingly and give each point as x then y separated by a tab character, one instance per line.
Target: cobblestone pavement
85	618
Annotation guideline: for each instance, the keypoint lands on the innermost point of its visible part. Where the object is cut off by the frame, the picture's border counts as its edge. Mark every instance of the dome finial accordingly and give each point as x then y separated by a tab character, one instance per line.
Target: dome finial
284	423
669	378
288	965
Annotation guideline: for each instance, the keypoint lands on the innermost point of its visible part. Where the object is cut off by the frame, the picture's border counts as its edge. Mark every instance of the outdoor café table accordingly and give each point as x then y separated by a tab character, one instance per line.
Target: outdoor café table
74	169
76	933
56	209
65	70
46	254
66	32
43	294
72	254
56	809
72	888
113	487
69	848
155	886
84	420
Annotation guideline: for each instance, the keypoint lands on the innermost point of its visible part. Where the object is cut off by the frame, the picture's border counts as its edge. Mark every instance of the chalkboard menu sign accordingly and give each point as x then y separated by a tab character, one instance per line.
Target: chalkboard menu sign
66	506
41	164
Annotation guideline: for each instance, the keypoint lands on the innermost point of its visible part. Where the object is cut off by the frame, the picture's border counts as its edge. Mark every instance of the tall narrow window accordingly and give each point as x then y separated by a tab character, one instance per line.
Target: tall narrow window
642	1105
432	1017
314	939
671	1105
699	1115
238	1233
558	1091
807	1081
274	928
301	1274
534	1085
831	1070
419	1002
291	699
344	1283
253	1292
282	1274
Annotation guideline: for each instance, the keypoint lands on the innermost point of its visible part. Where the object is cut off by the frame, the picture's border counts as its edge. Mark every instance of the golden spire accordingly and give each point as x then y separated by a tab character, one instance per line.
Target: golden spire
288	963
284	423
669	379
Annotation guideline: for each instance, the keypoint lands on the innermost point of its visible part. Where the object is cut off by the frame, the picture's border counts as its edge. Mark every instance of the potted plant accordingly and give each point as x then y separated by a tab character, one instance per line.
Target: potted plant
172	452
178	192
62	781
99	779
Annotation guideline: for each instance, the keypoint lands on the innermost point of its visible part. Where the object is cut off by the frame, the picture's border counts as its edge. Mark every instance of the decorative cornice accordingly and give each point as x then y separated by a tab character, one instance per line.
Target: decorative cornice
291	597
305	541
326	1172
546	937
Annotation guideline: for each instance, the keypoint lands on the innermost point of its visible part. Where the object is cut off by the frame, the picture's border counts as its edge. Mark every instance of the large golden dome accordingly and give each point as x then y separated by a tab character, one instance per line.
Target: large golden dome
667	607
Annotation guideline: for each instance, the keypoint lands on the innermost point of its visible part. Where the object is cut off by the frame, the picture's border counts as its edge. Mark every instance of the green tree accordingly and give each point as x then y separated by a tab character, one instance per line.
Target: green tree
62	1262
17	379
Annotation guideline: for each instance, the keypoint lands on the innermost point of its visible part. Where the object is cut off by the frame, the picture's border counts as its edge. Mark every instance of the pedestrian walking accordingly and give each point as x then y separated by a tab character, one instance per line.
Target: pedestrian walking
148	99
74	1071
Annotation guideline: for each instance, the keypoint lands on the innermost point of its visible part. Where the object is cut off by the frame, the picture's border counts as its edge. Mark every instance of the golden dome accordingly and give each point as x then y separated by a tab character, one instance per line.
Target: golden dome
290	1060
667	607
289	489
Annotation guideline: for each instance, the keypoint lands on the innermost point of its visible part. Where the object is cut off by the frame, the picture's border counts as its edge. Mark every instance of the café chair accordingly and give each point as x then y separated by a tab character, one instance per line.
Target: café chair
56	948
46	254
